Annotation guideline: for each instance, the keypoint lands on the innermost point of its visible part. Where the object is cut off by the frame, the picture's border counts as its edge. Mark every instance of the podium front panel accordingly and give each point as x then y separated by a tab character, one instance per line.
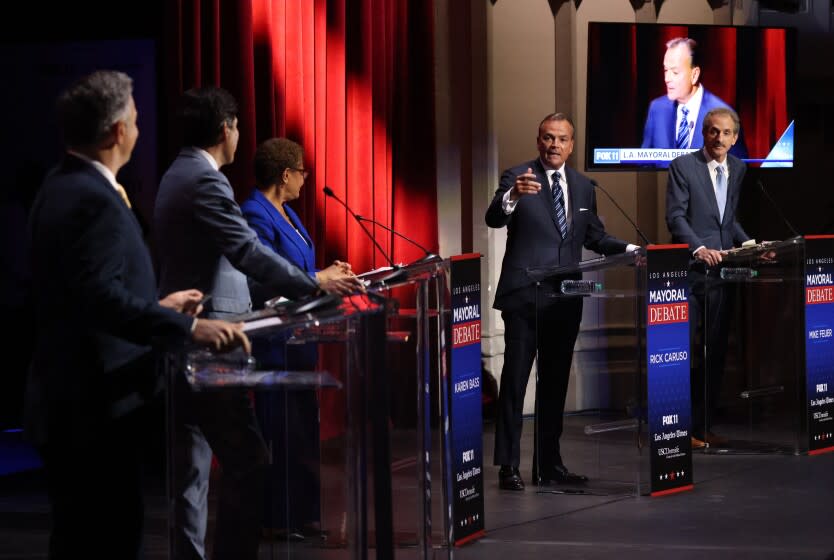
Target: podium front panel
432	351
754	368
604	433
294	487
819	342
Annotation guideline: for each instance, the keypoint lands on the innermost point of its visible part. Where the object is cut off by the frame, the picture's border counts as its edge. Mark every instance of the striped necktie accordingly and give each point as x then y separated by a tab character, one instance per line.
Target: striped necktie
559	205
682	141
123	193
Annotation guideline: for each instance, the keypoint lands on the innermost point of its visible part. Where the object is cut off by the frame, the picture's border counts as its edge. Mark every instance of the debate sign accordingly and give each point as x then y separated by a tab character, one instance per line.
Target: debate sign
667	368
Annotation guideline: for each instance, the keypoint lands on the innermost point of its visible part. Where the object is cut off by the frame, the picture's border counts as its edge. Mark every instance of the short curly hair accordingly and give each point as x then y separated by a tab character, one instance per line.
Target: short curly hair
272	157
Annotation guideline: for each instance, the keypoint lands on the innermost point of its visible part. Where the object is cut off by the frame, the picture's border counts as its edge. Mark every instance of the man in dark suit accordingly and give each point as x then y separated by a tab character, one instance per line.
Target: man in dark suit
701	200
546	226
97	318
675	120
203	240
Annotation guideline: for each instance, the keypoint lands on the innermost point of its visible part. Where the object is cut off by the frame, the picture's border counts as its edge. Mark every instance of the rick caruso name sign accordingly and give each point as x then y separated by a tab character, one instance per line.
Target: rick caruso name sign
667	367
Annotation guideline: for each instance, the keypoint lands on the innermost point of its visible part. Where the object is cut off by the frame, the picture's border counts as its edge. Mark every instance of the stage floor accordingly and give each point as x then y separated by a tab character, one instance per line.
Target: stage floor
762	506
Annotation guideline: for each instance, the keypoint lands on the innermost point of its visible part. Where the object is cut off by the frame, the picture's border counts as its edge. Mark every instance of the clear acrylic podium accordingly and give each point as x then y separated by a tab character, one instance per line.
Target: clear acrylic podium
605	425
412	356
758	403
355	475
424	365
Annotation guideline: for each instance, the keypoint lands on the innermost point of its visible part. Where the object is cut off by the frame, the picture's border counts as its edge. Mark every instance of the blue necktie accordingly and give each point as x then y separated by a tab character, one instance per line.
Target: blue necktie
720	190
682	141
559	205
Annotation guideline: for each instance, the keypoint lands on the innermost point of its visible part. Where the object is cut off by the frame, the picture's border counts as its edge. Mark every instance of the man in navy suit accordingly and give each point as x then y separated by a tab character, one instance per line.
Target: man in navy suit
701	200
93	369
550	212
204	240
675	120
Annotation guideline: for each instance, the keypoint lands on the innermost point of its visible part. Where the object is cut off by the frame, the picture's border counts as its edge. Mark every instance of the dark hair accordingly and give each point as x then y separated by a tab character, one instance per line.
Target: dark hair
92	105
203	112
691	44
721	111
272	157
559	117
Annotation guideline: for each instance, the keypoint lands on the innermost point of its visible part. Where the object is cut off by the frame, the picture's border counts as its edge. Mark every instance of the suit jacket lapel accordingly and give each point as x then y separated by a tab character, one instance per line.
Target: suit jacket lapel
670	131
698	133
282	228
302	241
734	184
74	163
570	177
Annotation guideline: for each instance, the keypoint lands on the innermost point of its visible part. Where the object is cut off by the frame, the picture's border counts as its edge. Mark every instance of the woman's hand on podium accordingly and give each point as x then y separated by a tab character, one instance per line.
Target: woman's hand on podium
338	278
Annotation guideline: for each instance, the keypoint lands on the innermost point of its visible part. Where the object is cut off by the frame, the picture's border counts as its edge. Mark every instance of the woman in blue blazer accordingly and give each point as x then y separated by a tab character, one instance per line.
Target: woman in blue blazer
289	419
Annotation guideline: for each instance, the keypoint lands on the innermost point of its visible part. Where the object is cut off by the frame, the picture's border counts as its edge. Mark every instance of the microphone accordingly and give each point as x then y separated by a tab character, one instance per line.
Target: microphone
776	206
329	192
428	257
637	229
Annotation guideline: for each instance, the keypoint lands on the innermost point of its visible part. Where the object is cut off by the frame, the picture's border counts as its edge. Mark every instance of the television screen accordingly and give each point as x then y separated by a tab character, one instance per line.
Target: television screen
650	85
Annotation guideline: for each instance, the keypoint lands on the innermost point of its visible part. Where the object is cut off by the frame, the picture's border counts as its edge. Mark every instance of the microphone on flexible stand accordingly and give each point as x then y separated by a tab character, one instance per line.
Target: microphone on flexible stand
776	206
428	257
637	229
329	192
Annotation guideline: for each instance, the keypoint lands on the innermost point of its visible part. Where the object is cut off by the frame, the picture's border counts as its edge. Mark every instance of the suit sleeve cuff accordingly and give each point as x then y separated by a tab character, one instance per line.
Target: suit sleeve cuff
508	205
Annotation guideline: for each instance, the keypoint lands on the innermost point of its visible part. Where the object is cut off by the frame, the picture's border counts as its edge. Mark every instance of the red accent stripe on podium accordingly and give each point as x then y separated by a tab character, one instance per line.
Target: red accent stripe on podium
667	246
826	236
821	451
673	490
470	538
465	257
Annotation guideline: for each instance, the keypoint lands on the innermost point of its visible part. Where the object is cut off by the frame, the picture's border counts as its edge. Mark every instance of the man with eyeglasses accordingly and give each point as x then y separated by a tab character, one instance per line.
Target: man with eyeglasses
203	241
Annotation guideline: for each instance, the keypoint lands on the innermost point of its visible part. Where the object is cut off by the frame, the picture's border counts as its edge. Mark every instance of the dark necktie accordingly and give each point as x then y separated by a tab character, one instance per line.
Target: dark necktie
682	141
559	205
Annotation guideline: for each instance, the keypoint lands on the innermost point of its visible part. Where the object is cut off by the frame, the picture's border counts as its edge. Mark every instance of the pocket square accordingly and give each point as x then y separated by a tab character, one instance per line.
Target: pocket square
583	209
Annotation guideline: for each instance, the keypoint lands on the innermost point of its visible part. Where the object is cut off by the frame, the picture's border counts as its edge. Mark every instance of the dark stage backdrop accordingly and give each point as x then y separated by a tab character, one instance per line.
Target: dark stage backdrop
35	73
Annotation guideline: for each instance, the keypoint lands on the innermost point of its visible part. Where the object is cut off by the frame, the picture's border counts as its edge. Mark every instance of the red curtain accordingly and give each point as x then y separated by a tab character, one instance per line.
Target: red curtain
718	65
351	81
772	118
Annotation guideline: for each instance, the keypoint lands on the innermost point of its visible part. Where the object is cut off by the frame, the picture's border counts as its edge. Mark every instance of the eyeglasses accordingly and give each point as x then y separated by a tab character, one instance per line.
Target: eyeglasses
304	172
